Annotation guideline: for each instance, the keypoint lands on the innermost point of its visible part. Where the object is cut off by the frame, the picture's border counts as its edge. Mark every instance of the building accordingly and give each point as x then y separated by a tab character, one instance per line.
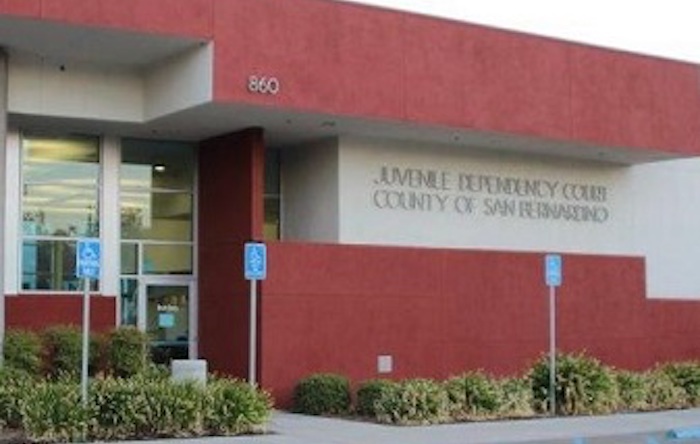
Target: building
407	173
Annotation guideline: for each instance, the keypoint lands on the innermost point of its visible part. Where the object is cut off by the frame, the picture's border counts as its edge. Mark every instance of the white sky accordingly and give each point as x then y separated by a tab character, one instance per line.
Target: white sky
668	28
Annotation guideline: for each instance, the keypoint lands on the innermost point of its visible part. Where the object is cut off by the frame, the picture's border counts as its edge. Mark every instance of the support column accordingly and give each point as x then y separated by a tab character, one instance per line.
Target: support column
3	187
230	207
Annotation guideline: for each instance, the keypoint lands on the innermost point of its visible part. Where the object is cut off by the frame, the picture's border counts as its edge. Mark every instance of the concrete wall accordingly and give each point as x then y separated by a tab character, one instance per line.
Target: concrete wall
309	184
409	194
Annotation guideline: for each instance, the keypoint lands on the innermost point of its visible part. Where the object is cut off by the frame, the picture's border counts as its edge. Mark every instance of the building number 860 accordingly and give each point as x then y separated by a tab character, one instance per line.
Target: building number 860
263	85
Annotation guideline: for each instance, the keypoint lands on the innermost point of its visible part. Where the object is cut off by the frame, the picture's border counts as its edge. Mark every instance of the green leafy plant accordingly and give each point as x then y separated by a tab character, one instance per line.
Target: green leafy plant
583	385
233	407
14	387
52	412
685	375
127	353
63	350
413	401
662	392
473	395
22	351
322	394
369	393
516	398
633	390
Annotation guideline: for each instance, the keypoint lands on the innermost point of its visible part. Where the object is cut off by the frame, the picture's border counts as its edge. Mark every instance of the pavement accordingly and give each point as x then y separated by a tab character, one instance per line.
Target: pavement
643	428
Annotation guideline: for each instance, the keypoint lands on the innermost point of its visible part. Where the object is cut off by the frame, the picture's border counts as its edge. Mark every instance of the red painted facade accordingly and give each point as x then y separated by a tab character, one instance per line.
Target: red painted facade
35	312
230	214
441	312
345	59
437	312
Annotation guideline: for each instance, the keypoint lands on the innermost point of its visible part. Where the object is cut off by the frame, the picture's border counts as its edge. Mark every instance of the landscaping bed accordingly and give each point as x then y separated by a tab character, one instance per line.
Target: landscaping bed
128	397
584	386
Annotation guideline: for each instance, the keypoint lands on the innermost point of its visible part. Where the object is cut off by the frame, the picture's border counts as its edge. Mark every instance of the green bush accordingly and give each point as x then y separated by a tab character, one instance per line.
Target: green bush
53	412
516	398
369	393
685	375
63	348
413	401
582	385
135	408
473	396
127	353
22	351
662	391
233	407
144	408
633	389
322	394
14	386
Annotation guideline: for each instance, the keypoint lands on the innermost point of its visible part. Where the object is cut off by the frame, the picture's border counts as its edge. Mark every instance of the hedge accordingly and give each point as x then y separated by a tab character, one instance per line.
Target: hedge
583	386
322	394
57	351
140	407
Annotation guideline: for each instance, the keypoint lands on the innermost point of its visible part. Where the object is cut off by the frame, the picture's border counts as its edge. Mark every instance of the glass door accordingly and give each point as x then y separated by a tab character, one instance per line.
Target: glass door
167	316
163	308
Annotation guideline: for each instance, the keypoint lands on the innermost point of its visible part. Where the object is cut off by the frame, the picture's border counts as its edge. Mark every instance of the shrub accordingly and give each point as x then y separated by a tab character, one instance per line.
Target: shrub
685	375
127	353
633	390
143	408
63	349
582	385
473	396
414	401
53	412
322	394
369	393
138	408
233	407
516	398
14	386
662	392
22	351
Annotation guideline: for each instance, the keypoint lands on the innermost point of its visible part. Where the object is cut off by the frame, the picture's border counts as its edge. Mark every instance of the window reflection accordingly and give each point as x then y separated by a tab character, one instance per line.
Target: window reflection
157	207
60	202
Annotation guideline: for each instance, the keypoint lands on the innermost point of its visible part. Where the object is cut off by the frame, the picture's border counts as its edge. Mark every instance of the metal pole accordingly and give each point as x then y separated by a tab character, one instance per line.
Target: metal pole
253	332
86	341
552	352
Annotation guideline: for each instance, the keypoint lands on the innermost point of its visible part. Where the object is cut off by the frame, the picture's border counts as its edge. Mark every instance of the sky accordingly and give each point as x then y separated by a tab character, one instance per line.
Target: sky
668	28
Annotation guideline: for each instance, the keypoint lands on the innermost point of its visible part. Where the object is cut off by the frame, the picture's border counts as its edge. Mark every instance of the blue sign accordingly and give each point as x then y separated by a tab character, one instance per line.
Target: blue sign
552	270
255	261
87	259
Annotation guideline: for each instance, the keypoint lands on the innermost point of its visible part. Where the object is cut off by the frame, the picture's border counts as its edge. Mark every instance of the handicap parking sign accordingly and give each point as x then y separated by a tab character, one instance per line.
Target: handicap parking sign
88	259
255	261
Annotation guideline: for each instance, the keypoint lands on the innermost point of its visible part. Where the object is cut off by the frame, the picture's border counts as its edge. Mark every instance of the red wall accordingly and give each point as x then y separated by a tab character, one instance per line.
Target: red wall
441	312
37	312
337	58
230	213
178	17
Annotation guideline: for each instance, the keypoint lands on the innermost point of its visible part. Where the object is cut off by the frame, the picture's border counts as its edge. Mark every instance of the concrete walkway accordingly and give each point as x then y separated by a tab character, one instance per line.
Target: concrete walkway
287	428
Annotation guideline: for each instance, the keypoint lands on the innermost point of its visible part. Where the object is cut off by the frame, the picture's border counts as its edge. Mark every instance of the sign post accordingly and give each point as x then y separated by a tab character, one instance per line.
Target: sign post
254	270
87	266
553	278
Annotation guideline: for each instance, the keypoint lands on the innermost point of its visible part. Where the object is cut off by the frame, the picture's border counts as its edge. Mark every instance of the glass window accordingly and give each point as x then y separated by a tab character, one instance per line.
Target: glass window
129	302
271	229
157	207
130	258
167	259
60	202
156	215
